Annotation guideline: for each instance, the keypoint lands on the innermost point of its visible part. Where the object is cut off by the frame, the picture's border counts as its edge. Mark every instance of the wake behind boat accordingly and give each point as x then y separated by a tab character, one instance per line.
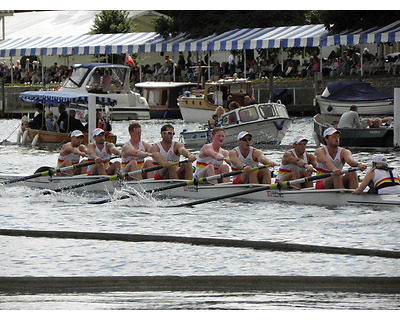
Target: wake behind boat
267	122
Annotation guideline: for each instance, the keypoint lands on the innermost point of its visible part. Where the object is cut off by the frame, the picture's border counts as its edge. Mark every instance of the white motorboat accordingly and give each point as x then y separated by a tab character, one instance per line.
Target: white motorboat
90	79
162	97
198	105
338	97
267	122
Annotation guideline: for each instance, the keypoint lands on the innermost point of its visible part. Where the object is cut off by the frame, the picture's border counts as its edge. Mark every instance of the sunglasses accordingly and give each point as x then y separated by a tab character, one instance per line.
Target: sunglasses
246	139
169	132
302	143
335	135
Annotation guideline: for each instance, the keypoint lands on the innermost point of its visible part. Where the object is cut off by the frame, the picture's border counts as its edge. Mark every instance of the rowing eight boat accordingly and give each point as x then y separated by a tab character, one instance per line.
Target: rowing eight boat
310	196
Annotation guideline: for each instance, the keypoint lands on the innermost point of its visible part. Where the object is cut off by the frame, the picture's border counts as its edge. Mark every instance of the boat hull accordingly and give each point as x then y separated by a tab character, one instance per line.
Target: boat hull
381	137
264	131
57	138
309	196
377	107
201	114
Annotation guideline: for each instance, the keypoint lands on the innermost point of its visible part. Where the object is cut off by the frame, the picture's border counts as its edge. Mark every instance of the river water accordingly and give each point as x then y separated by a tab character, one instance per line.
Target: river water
23	208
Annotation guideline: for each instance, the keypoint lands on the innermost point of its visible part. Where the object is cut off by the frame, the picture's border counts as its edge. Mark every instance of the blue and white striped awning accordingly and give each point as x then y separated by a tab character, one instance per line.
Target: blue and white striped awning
389	33
70	45
62	97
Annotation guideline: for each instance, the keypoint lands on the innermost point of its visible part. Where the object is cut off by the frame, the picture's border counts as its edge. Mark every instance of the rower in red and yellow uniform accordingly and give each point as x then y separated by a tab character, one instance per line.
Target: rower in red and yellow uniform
99	150
212	156
244	156
135	151
71	153
297	163
332	158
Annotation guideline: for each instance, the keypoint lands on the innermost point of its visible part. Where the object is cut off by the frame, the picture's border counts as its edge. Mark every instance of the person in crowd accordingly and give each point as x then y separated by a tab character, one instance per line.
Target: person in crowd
379	122
72	123
381	179
211	157
51	124
134	152
106	80
244	156
71	153
62	118
297	163
100	151
38	122
219	111
332	158
167	151
350	119
231	63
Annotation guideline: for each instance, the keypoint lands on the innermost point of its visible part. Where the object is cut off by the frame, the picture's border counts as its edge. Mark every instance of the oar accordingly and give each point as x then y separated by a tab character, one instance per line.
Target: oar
279	185
195	181
55	170
118	176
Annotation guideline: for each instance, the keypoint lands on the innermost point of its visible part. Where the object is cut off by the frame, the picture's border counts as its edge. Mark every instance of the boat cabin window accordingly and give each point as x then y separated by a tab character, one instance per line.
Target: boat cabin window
266	111
76	78
229	118
106	79
248	114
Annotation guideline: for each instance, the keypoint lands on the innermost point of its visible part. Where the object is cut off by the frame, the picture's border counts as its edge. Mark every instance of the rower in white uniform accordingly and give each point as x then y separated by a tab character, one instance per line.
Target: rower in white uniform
71	153
135	151
212	156
332	158
297	163
100	150
167	151
244	156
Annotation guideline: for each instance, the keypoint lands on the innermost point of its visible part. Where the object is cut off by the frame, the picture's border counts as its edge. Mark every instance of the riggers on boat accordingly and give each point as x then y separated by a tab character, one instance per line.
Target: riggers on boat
308	196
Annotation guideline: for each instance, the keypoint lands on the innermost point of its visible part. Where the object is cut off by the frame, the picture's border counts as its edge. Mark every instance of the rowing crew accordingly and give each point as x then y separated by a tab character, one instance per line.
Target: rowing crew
213	159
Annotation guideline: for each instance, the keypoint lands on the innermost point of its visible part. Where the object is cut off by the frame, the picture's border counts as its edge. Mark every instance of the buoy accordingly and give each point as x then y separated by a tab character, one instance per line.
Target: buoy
35	140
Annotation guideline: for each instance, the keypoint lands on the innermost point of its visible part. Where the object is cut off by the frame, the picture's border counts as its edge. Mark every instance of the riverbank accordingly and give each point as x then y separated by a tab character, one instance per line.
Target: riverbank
298	94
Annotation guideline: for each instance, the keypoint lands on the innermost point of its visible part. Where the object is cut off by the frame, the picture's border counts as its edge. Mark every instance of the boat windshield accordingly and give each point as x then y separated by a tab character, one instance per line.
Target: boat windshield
266	111
248	114
76	78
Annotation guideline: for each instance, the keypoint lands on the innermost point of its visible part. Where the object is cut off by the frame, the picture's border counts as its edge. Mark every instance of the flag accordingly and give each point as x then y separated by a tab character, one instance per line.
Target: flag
129	60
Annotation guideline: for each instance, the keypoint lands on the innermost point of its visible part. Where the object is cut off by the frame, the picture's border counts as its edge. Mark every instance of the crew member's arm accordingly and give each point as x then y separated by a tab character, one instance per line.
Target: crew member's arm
367	179
258	156
184	152
348	158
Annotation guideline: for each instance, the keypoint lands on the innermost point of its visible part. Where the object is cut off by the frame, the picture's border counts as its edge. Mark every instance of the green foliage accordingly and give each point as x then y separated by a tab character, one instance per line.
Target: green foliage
112	21
202	23
341	20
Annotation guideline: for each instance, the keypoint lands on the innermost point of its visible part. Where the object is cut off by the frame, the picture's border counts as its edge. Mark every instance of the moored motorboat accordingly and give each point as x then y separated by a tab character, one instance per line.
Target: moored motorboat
162	97
198	105
267	122
366	137
338	97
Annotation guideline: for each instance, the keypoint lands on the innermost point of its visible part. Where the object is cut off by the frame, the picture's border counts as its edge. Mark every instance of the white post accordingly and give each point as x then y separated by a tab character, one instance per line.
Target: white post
91	116
396	118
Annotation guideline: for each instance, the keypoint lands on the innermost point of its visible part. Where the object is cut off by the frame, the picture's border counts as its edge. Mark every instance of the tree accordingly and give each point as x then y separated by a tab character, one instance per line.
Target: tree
202	23
112	21
341	20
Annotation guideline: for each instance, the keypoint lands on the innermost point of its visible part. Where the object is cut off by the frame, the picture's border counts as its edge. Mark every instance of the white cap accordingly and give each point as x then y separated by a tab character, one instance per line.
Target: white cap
97	131
77	133
330	131
299	138
242	134
379	159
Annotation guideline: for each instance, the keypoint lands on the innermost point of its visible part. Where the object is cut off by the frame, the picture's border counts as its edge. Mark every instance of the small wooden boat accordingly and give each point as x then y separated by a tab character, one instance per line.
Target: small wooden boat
267	122
366	137
308	196
40	137
338	97
162	97
199	105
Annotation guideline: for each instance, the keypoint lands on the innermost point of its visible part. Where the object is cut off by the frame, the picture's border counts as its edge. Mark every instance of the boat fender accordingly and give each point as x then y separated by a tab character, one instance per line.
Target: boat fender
329	108
25	136
35	140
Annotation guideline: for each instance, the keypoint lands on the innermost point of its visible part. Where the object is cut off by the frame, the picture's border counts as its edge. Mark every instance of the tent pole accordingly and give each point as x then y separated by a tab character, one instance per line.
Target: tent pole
11	70
244	63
